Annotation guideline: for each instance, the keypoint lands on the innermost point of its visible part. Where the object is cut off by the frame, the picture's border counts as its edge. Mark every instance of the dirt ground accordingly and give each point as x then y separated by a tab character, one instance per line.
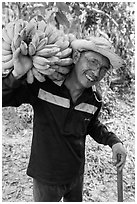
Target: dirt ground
100	183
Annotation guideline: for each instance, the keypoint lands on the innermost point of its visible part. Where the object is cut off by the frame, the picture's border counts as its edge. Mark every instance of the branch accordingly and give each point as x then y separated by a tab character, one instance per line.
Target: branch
102	12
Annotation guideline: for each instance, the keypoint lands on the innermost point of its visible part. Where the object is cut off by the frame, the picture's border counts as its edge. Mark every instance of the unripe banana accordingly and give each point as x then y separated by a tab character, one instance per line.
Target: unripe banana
32	49
41	67
5	45
41	25
40	34
18	27
60	41
40	60
7	65
23	34
42	44
53	60
38	75
61	69
49	30
6	58
65	45
10	29
17	40
51	46
6	52
23	48
5	36
12	46
64	53
53	37
62	44
35	39
32	25
65	62
48	52
46	72
30	77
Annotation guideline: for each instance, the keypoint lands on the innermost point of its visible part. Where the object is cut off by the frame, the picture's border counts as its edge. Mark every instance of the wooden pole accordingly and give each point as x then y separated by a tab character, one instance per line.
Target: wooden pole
119	181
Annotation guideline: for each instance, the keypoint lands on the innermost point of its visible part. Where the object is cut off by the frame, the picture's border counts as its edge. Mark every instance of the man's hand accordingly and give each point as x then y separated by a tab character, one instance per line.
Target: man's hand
119	149
21	63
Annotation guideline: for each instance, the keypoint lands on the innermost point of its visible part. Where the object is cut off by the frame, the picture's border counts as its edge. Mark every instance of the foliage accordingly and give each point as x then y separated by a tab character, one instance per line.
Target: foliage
113	20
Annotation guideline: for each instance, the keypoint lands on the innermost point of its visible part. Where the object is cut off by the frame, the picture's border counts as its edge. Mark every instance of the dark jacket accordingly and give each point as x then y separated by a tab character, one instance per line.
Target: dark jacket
59	127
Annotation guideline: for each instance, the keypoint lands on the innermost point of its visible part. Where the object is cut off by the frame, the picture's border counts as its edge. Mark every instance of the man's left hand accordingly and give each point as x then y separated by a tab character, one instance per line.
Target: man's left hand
119	149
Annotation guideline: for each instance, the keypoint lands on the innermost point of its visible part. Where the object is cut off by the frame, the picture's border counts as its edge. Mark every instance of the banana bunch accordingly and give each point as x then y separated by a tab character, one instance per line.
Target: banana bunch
48	47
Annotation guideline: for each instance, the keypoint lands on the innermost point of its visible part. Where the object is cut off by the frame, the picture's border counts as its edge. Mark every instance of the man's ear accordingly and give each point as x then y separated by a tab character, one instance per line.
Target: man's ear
76	56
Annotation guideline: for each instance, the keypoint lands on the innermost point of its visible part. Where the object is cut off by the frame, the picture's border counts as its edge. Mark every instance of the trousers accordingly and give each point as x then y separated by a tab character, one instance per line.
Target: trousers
70	192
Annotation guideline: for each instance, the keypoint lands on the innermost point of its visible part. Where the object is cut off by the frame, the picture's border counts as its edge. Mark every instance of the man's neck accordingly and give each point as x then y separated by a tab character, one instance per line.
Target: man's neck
74	88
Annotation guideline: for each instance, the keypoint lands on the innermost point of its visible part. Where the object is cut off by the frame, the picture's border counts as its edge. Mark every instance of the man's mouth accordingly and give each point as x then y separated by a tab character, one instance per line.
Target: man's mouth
91	78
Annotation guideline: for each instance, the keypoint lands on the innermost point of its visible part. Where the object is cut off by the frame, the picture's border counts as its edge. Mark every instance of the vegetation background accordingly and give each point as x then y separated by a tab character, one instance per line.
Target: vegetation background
116	22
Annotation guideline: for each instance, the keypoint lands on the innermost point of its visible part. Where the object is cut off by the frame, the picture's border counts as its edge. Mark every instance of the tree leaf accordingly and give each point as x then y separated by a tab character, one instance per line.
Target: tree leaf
77	10
62	7
62	19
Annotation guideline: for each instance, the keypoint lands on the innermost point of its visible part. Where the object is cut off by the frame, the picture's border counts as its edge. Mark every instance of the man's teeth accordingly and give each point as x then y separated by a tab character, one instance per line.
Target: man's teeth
88	77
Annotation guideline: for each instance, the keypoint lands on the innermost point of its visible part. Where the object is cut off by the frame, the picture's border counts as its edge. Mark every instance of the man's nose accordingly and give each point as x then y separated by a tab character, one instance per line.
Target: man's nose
96	72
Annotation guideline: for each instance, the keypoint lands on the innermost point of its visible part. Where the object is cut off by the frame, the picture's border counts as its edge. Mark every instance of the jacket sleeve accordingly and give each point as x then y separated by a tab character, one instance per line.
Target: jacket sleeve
100	133
15	92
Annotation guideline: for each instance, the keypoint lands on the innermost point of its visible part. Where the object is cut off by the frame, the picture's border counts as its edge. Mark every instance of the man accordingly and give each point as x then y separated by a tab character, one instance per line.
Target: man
63	116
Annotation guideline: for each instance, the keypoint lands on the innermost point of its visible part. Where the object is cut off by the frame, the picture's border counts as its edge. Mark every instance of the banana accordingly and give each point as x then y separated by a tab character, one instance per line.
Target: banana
12	47
35	39
51	46
65	45
5	45
30	77
31	48
40	60
40	34
23	34
7	65
41	67
18	27
6	58
41	25
5	36
42	43
59	41
32	25
64	53
17	40
6	52
61	69
53	60
53	37
46	52
65	62
46	71
23	48
38	75
50	29
10	29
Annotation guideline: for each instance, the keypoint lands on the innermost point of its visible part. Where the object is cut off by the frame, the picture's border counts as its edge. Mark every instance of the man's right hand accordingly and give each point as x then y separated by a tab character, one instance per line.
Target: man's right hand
22	64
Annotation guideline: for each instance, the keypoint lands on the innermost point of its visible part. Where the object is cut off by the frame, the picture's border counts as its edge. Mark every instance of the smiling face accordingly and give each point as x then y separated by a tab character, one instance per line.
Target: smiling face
90	68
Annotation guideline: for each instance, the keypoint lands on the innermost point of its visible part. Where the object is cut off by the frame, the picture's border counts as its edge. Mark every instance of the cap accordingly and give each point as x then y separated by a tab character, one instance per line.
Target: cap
100	45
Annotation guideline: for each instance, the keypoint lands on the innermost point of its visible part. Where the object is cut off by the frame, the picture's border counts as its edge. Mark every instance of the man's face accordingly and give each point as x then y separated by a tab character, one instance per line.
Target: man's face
91	68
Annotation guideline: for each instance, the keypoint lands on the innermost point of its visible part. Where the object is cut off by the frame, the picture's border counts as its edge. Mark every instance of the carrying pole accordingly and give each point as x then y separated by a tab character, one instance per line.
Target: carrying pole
119	181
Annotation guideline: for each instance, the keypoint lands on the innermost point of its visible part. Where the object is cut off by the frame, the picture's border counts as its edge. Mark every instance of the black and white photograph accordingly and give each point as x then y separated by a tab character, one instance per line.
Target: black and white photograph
68	101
